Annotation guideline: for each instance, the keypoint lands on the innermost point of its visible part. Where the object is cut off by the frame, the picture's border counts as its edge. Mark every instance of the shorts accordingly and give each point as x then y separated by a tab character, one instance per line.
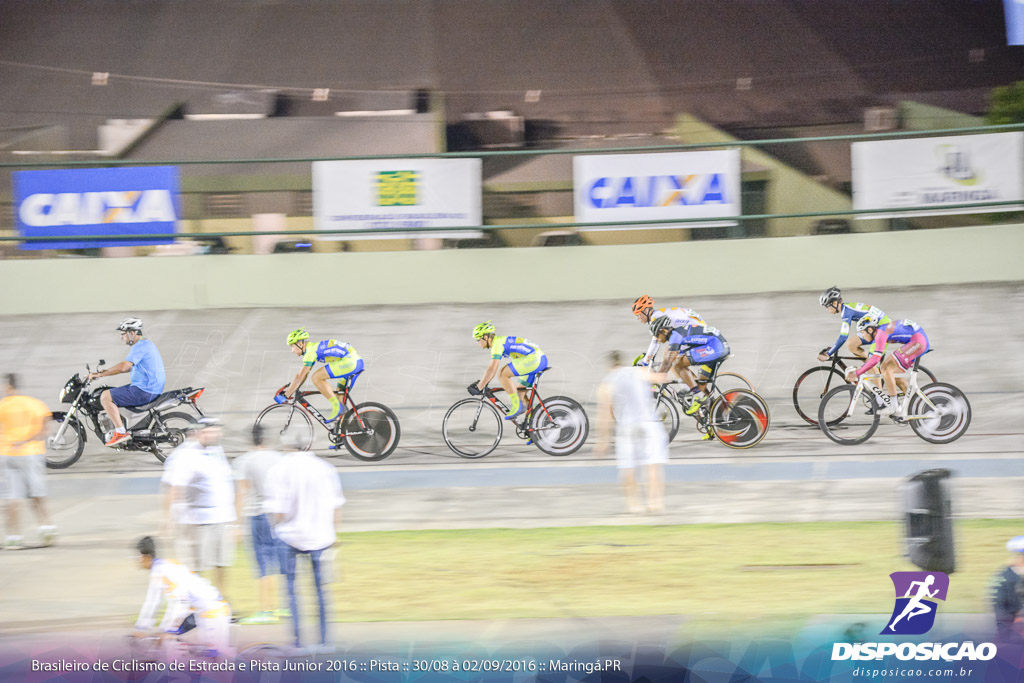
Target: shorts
714	350
213	629
131	395
527	368
25	474
343	368
642	443
915	347
266	546
215	546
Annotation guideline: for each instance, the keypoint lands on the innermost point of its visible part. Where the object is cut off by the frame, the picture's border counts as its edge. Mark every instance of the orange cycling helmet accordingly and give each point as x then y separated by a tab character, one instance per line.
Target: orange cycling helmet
643	302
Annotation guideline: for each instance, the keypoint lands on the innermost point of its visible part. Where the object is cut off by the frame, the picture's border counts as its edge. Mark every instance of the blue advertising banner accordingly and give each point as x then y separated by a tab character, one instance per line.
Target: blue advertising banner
96	201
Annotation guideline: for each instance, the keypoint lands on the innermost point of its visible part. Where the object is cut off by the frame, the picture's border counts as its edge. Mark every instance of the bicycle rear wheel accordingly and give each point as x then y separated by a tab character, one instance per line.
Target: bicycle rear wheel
946	419
811	387
739	418
472	428
559	426
371	431
844	421
286	418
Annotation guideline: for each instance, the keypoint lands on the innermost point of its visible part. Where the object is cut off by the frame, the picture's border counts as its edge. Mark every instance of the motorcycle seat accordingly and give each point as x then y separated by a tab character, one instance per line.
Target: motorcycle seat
175	394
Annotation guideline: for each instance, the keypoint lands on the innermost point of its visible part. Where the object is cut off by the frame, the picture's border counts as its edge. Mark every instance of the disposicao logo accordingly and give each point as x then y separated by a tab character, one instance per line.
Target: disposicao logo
915	608
914	613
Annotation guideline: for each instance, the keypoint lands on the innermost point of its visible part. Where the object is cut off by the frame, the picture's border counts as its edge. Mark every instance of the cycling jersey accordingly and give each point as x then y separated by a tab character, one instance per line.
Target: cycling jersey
905	332
680	317
700	343
513	347
851	314
328	351
184	591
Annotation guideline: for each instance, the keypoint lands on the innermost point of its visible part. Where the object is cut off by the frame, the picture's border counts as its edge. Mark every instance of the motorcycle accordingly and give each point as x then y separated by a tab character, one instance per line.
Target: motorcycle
152	426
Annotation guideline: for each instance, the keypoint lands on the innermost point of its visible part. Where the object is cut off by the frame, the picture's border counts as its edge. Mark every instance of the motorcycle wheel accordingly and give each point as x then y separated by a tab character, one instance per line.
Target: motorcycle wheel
175	424
70	449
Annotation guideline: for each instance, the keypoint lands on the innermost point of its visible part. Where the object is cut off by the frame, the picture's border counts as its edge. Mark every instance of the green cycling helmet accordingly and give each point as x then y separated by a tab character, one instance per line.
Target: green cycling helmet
483	328
298	335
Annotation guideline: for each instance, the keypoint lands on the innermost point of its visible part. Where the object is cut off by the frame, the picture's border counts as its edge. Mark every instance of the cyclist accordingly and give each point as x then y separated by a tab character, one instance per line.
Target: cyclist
703	344
914	343
643	309
832	300
341	362
527	362
186	594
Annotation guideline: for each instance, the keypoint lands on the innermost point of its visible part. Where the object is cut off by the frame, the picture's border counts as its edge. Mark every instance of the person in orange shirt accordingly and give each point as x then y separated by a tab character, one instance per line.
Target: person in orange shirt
23	424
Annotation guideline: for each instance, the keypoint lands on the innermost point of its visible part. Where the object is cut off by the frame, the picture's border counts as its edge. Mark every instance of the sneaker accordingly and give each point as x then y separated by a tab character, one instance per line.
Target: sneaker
118	437
14	543
260	618
698	400
48	535
283	613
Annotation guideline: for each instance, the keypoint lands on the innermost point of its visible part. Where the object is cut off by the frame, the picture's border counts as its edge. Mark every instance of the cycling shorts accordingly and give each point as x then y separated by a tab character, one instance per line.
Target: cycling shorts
915	347
344	367
716	349
526	368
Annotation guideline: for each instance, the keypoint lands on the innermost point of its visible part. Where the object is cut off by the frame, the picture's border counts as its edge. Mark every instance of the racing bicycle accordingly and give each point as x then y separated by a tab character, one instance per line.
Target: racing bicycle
812	385
370	431
937	412
556	425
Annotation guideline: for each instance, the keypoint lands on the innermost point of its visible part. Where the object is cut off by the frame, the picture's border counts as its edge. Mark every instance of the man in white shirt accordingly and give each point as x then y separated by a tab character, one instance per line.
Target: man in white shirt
625	398
304	494
251	471
202	501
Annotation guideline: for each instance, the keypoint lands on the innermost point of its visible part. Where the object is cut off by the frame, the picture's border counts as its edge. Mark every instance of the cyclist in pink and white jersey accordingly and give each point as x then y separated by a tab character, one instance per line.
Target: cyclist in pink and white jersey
914	344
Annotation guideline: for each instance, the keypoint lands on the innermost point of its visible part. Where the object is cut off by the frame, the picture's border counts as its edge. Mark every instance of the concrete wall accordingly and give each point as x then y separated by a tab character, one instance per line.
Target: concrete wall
890	259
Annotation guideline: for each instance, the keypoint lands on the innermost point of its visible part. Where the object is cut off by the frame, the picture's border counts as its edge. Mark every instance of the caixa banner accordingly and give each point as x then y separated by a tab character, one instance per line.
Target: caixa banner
666	186
96	201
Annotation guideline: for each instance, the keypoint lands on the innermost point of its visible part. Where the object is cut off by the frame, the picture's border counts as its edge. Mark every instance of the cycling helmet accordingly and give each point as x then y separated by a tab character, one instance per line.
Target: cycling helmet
867	321
130	325
1015	544
483	329
660	323
642	303
829	295
295	336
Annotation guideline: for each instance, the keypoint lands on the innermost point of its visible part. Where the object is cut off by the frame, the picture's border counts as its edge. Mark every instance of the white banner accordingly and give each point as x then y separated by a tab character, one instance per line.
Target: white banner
665	186
397	194
933	172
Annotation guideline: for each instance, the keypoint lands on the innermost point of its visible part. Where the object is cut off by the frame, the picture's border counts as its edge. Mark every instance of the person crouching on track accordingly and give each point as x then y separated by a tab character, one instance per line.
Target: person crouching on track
527	361
186	593
340	361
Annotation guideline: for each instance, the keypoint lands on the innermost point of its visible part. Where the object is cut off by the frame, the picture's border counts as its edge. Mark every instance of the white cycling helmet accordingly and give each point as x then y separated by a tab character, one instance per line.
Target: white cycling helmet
130	325
867	321
1015	544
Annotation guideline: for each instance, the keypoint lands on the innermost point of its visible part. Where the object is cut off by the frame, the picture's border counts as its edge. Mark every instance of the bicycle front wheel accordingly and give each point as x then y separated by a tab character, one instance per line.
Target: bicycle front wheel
559	426
287	418
472	428
371	431
811	387
668	414
946	419
845	421
739	418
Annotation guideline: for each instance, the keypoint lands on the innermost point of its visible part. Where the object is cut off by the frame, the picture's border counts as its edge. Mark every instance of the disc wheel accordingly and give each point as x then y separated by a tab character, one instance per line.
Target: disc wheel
559	426
739	418
371	431
946	419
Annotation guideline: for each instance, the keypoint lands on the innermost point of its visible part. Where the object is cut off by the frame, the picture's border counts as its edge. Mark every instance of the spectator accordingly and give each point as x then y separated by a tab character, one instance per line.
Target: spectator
201	500
305	498
1006	592
23	425
624	398
251	472
146	381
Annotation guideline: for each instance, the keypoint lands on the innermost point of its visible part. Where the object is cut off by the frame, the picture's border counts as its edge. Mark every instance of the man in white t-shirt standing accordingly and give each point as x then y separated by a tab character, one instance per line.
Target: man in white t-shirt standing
201	500
625	398
251	470
305	498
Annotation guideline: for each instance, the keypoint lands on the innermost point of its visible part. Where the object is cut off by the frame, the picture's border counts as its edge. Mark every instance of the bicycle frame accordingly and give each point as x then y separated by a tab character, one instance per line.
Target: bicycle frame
489	395
347	401
912	390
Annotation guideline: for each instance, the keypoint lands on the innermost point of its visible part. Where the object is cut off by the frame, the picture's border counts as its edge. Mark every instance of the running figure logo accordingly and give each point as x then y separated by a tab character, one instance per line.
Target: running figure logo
916	593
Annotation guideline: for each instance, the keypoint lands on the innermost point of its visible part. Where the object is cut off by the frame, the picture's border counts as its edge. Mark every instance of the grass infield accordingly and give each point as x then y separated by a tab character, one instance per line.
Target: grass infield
724	577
